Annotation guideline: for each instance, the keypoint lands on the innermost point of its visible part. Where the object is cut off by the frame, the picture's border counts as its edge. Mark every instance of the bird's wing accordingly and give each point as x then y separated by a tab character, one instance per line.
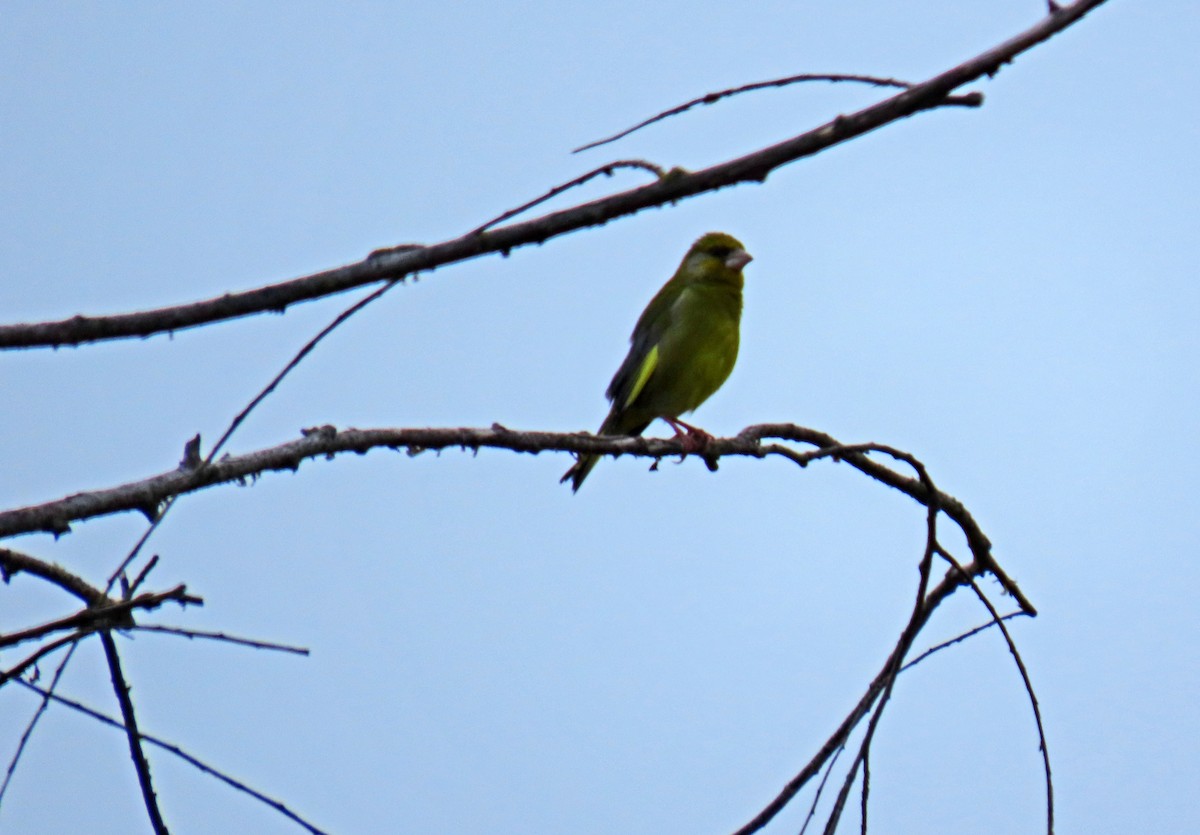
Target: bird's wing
642	359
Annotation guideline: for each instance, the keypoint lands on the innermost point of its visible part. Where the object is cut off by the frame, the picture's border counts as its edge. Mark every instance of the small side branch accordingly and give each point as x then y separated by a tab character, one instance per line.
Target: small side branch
968	100
605	170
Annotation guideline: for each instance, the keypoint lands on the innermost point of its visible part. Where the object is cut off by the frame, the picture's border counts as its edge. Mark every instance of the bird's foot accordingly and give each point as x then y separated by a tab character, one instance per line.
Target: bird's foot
691	438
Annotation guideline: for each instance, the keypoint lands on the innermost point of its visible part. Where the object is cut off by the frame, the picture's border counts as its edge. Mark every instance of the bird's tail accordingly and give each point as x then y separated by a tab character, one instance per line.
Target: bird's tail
579	471
617	423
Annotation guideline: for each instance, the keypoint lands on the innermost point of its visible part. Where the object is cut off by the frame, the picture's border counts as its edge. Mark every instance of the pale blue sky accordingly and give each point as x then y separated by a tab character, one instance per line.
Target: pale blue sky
1008	293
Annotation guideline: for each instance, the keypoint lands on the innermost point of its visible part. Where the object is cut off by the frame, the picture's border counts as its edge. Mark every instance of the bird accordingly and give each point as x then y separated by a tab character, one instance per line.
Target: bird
682	349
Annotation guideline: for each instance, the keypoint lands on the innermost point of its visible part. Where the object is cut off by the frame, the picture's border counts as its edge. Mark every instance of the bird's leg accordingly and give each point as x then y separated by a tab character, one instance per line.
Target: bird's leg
692	438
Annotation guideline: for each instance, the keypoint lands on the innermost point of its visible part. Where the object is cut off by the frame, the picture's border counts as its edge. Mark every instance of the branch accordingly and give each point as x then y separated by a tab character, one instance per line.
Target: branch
114	614
837	740
14	562
147	495
20	667
141	766
397	263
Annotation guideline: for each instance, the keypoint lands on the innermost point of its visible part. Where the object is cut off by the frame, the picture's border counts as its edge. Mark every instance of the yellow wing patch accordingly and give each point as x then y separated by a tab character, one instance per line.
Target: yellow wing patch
648	366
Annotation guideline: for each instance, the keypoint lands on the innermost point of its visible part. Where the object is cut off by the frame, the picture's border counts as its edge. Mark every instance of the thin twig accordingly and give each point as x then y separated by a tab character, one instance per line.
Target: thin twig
141	766
866	790
1033	702
171	748
18	669
33	720
837	739
969	100
221	636
606	170
959	638
812	809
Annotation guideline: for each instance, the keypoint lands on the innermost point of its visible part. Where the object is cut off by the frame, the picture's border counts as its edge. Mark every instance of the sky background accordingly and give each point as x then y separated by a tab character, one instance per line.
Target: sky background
1008	293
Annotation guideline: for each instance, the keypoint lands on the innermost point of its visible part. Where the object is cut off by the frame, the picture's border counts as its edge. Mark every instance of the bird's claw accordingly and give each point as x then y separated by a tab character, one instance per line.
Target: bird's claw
691	438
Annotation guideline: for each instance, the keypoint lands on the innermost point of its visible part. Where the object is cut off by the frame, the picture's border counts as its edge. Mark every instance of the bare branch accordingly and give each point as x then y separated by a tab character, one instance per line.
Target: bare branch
33	720
325	442
191	458
916	623
396	263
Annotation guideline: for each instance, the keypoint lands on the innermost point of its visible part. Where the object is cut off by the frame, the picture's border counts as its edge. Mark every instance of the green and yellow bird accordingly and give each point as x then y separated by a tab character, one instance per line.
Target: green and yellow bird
683	347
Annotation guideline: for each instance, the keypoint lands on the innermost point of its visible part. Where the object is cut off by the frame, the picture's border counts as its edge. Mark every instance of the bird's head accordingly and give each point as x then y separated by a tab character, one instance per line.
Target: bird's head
717	257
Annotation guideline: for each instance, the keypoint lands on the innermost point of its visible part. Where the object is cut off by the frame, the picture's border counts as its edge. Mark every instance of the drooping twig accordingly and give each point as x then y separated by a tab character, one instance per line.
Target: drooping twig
171	748
14	562
753	167
18	669
969	100
1033	702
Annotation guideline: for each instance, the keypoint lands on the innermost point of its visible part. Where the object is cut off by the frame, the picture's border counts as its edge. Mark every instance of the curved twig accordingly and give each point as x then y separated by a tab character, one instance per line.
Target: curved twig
969	100
1033	702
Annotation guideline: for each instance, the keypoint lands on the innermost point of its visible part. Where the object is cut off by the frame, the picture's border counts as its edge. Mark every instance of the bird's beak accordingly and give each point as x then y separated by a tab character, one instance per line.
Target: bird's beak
738	259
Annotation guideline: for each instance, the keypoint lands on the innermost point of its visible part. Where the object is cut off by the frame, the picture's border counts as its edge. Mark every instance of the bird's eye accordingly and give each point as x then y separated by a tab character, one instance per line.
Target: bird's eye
721	252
